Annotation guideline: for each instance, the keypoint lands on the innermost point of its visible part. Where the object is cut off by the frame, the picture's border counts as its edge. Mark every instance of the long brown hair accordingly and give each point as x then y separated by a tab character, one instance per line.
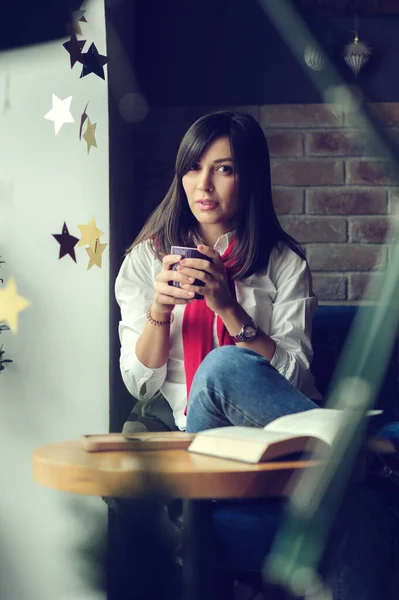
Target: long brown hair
258	231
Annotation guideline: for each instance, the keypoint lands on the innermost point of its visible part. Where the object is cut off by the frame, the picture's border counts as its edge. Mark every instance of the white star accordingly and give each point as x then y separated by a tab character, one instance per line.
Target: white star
60	113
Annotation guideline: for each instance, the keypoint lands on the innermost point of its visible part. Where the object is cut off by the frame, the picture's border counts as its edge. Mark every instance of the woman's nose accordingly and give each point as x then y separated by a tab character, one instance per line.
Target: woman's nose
205	182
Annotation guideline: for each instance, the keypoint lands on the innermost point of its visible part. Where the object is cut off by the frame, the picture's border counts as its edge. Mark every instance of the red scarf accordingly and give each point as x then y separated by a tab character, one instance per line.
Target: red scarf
197	329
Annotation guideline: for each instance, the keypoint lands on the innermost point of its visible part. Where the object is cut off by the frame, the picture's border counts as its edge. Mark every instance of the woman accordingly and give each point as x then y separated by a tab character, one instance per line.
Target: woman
257	293
258	302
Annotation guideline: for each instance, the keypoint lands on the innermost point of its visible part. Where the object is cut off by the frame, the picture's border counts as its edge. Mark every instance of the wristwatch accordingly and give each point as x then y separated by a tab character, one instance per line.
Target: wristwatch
248	332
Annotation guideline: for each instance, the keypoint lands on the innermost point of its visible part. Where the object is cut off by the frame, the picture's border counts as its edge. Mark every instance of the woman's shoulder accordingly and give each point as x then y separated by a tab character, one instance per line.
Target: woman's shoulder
285	261
142	251
282	254
140	258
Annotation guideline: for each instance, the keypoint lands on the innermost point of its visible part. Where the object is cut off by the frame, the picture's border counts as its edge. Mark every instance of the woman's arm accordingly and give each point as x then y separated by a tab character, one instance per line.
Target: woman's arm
287	344
234	318
152	348
145	346
293	309
134	290
219	297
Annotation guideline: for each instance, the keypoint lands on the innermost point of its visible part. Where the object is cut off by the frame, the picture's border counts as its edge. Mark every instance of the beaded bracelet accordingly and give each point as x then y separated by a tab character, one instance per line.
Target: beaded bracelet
158	323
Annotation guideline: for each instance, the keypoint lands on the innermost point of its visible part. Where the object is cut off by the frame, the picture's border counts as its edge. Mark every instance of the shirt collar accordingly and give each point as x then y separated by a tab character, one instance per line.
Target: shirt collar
223	242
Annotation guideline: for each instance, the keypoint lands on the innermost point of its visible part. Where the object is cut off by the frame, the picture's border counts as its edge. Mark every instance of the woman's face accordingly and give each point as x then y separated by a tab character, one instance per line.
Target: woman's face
211	187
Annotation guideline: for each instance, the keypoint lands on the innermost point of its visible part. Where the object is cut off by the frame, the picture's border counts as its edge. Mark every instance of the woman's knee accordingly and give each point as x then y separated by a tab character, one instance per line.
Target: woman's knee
224	361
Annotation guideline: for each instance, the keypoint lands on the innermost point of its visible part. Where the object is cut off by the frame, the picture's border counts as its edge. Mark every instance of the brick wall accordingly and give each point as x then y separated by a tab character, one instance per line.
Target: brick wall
331	192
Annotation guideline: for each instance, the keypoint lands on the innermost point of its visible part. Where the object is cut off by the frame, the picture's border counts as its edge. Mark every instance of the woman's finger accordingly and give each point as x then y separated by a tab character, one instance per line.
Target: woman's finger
210	252
162	299
188	273
172	275
197	289
173	291
169	260
197	263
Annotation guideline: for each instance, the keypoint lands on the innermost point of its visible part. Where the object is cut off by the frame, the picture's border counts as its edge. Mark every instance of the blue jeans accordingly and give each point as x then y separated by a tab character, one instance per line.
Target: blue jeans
236	386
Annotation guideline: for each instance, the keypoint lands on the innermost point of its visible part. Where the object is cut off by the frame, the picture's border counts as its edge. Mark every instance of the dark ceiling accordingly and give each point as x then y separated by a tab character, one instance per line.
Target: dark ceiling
347	7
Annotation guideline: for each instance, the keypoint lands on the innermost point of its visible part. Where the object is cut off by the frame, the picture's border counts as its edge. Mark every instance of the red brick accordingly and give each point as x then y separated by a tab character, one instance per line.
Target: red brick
359	288
288	200
386	112
307	172
338	143
344	201
372	172
299	115
285	144
345	257
330	287
368	230
315	229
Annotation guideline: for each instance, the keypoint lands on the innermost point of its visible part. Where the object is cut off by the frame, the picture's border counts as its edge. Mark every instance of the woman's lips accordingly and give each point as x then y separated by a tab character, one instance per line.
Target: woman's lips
206	204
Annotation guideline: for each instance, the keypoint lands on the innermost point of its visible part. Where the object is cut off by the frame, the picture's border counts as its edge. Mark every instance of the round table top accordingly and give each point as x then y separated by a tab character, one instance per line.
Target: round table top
66	466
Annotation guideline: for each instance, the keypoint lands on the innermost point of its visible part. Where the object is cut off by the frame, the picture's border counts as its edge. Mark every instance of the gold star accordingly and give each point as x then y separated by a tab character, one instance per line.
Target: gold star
90	135
90	234
11	303
96	256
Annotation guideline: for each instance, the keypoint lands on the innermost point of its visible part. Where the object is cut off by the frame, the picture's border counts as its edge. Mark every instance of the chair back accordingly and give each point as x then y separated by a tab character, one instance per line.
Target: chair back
331	325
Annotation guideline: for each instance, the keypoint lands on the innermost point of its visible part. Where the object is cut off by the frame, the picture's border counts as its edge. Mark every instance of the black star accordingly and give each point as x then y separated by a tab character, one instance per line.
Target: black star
79	15
74	47
67	242
93	62
76	17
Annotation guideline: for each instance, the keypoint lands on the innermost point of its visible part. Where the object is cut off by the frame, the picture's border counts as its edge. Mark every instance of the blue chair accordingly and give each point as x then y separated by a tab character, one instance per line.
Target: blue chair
331	326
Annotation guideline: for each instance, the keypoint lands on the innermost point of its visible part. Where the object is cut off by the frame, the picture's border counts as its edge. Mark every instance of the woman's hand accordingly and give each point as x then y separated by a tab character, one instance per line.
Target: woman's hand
216	290
167	296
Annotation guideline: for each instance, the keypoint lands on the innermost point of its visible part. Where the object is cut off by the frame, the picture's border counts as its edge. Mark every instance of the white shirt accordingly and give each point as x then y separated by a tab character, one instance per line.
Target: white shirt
279	299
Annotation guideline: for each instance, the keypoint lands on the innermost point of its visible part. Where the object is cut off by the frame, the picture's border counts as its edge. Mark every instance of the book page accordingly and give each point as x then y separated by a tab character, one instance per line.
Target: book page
322	423
249	434
247	444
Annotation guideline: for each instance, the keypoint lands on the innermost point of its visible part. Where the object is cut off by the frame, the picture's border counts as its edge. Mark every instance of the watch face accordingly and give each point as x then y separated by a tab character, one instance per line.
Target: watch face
250	331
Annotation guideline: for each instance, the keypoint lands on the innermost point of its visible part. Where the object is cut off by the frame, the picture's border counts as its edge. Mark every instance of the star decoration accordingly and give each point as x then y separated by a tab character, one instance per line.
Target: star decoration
67	242
74	47
77	15
90	135
82	120
96	256
11	304
90	234
60	113
93	62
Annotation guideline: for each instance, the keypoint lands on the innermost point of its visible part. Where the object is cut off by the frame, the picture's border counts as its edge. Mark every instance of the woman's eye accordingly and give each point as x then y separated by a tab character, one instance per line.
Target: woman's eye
194	167
225	169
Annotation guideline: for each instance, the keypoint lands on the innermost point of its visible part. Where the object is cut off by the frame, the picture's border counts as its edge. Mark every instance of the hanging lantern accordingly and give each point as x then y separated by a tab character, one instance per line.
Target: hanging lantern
314	58
356	54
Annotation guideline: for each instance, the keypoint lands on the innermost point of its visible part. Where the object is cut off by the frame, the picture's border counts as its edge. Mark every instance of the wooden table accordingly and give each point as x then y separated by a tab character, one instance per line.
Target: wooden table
67	467
196	478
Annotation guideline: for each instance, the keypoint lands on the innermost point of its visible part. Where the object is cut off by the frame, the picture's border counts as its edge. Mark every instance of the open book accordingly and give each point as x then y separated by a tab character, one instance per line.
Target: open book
286	435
